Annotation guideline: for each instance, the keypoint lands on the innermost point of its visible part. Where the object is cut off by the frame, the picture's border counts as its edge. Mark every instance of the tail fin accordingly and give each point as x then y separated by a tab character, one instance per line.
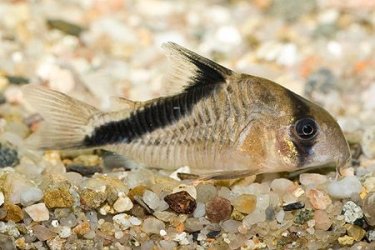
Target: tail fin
67	120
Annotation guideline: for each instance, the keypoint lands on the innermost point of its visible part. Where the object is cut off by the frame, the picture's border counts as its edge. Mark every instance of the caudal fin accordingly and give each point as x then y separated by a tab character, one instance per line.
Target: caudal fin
67	120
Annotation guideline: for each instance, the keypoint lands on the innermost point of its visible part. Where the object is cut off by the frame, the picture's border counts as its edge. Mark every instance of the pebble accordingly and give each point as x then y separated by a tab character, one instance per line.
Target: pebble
38	212
312	180
91	199
345	187
123	204
293	206
188	188
355	231
152	225
1	198
245	203
371	235
345	240
206	192
231	226
369	208
352	212
303	216
368	142
151	199
322	220
181	202
8	156
318	199
30	196
65	232
43	233
218	209
200	210
13	212
58	197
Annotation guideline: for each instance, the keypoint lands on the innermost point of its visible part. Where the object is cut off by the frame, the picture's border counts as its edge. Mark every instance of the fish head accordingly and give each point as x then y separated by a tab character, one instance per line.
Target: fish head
309	137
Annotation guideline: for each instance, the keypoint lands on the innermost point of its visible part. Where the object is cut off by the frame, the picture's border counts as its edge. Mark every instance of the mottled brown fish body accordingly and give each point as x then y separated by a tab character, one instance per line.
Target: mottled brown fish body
222	124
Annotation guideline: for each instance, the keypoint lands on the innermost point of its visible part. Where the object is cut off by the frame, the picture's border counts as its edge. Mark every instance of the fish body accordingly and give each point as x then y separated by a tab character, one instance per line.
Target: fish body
223	124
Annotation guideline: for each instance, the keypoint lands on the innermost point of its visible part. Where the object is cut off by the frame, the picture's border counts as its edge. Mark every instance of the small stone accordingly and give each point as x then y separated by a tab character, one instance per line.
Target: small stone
344	188
65	27
345	240
368	142
231	226
65	232
206	192
151	199
245	203
43	233
293	206
152	225
38	212
318	199
14	213
303	216
91	199
322	220
312	180
369	208
136	191
236	215
191	190
369	184
280	216
200	210
1	198
193	225
8	156
123	204
7	242
58	197
82	228
355	231
371	235
181	202
30	196
352	212
282	185
218	209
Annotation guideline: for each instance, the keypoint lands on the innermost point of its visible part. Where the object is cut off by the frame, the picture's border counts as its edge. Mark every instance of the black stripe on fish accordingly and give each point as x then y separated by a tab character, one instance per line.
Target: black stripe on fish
300	109
156	115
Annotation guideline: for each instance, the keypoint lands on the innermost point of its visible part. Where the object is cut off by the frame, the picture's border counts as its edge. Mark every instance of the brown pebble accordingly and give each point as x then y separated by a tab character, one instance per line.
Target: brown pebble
59	197
82	228
91	199
14	213
43	233
181	202
137	191
245	203
218	209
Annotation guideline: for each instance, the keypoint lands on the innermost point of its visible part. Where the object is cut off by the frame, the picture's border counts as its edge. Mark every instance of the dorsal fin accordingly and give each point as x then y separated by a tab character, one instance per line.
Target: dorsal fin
192	70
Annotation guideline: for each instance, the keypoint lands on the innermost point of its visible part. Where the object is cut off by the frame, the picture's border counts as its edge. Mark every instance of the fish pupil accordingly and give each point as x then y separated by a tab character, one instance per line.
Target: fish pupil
306	128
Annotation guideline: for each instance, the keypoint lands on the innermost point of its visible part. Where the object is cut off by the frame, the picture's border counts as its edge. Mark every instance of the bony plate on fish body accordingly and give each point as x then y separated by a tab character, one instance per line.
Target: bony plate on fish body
223	124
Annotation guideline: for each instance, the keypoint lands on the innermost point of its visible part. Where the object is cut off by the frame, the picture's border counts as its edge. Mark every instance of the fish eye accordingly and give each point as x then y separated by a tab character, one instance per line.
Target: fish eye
306	128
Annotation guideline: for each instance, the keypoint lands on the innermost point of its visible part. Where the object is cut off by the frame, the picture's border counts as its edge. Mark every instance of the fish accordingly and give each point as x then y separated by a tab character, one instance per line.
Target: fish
222	124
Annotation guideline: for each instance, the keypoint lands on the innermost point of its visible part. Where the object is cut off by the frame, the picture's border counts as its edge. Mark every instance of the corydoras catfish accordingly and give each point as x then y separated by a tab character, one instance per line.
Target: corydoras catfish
222	124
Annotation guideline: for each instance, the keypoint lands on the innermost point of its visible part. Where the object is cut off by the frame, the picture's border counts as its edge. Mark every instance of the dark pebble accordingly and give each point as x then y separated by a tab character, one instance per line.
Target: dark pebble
303	216
8	157
293	206
213	234
65	27
17	80
84	170
218	209
181	202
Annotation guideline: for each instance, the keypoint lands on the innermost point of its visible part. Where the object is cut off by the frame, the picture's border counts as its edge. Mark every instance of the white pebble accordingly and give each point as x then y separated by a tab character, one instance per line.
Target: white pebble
55	223
344	188
119	234
280	216
30	196
152	225
163	233
123	204
200	210
65	232
352	212
38	212
151	199
1	198
122	220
